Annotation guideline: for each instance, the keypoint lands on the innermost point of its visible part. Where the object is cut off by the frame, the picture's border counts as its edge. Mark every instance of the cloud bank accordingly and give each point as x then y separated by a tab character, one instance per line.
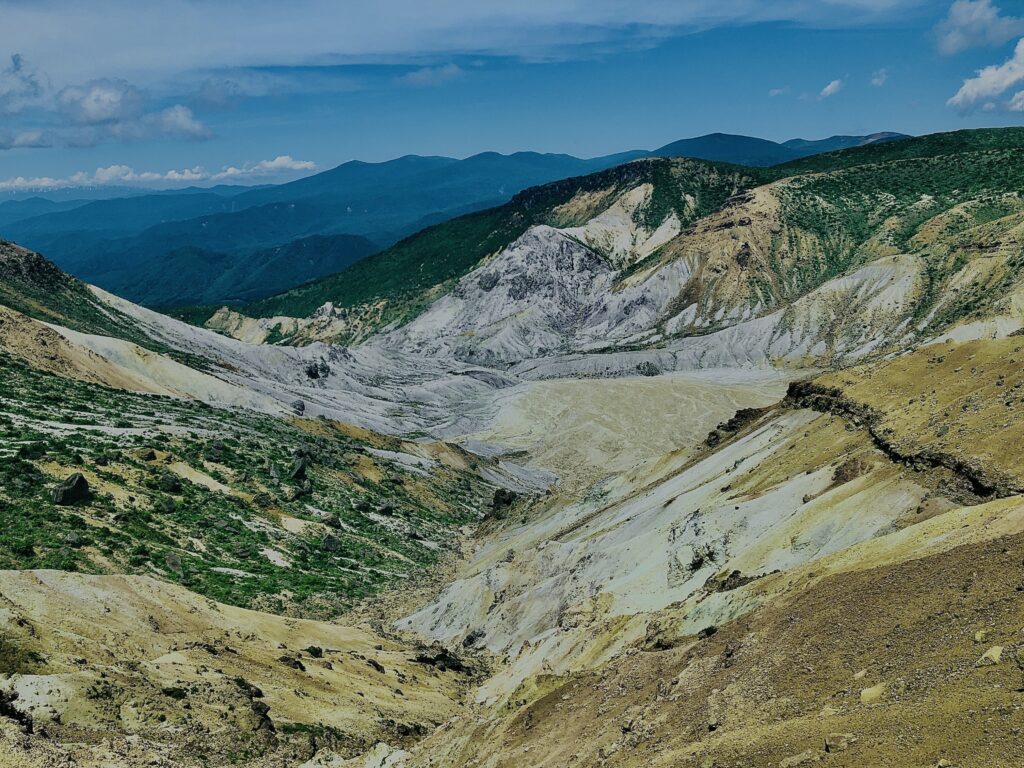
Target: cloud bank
116	175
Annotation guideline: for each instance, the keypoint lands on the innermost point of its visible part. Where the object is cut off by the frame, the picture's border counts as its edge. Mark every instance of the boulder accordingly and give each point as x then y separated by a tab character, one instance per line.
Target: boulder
990	657
503	498
168	482
839	742
173	562
298	468
872	694
214	451
298	407
71	491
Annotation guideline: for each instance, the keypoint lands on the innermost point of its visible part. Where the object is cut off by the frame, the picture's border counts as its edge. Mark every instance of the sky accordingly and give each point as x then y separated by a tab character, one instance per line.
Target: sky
170	93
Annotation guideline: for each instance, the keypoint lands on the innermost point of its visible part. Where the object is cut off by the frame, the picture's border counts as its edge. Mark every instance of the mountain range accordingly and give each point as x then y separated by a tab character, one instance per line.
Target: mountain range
676	463
131	244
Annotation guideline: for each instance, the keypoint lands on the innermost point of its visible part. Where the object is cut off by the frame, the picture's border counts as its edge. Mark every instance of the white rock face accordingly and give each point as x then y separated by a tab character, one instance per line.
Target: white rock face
615	233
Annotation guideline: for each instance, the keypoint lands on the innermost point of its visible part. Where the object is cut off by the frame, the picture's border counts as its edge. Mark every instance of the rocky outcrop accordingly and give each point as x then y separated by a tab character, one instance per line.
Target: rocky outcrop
71	491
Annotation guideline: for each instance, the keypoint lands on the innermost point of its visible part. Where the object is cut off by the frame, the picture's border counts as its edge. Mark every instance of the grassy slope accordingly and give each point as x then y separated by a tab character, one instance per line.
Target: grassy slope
136	523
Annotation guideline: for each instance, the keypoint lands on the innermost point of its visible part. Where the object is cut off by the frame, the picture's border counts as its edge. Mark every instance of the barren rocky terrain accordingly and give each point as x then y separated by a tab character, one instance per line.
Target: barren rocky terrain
677	464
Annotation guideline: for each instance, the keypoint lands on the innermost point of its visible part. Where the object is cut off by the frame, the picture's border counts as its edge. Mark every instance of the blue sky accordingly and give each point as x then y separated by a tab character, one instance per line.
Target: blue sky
186	91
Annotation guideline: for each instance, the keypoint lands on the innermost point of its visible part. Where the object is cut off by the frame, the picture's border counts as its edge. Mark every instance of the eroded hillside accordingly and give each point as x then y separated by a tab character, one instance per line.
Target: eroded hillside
677	464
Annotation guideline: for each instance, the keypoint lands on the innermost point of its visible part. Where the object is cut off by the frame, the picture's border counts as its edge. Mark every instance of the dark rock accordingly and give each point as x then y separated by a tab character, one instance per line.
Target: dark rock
167	482
473	638
146	454
31	451
73	540
173	562
214	451
330	544
291	661
305	488
318	370
298	406
300	464
503	498
376	665
8	710
71	491
488	280
440	657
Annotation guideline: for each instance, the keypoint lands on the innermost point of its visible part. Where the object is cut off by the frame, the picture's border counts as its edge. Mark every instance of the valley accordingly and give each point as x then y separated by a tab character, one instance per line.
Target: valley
676	463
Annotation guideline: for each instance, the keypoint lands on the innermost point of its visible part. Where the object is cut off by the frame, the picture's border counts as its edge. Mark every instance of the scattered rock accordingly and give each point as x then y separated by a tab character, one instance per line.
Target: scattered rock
376	665
298	468
872	694
839	742
804	758
291	661
173	561
503	498
71	491
73	540
990	657
298	407
168	482
330	544
8	710
440	657
214	451
473	638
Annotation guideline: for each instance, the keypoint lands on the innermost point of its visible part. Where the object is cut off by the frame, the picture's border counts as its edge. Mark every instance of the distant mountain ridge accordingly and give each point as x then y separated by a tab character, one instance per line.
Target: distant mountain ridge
132	245
747	150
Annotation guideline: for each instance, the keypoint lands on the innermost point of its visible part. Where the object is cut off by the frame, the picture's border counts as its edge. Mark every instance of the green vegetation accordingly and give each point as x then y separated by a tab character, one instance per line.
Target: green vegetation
289	516
840	220
934	145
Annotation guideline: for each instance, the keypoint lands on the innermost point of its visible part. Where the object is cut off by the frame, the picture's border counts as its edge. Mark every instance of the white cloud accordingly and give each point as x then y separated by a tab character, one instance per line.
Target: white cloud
975	23
117	175
115	109
880	77
831	89
25	140
100	101
264	168
430	76
778	91
1016	104
177	121
149	41
990	82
